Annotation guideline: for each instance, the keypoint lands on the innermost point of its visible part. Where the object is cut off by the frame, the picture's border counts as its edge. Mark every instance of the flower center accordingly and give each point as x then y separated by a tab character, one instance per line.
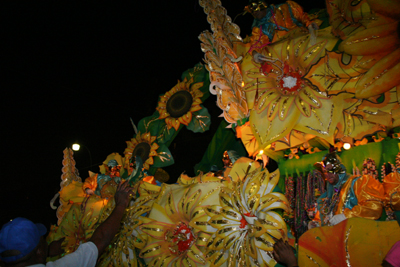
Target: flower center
247	218
181	239
243	223
179	104
289	82
142	150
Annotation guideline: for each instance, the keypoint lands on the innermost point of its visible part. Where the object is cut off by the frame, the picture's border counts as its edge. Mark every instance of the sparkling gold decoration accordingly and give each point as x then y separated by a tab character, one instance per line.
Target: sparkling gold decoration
171	225
130	236
221	58
244	224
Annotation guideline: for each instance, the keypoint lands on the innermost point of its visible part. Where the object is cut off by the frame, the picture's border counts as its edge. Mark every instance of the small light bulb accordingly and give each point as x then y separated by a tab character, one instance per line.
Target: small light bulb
261	152
346	146
76	147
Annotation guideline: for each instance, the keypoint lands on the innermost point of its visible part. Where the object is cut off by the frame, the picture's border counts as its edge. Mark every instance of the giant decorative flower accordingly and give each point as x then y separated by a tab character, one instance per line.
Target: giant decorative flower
281	98
172	237
283	91
178	104
244	224
121	252
142	145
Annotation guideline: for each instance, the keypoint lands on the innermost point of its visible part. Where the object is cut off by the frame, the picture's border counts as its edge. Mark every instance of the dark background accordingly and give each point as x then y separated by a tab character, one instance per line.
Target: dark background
77	71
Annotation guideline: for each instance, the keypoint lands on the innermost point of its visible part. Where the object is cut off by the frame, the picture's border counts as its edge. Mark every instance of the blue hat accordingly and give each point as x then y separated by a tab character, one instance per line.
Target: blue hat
22	235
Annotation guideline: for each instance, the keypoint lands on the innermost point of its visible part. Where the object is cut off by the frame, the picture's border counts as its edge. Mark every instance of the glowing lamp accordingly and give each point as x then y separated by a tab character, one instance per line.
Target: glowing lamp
346	146
76	147
261	152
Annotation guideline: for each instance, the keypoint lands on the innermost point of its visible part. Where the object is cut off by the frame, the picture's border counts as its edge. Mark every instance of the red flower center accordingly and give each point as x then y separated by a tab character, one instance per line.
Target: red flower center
243	221
181	239
291	80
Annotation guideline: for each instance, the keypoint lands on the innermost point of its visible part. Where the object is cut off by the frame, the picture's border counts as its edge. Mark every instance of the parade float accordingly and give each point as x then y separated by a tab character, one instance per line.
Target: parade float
317	93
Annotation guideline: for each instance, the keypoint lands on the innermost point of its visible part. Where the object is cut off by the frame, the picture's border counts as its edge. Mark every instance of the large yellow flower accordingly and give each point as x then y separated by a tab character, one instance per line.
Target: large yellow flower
142	145
179	103
282	99
172	240
244	224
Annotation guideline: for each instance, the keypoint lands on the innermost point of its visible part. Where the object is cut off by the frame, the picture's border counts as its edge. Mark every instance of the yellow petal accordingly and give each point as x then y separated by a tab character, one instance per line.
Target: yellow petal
196	255
153	250
266	98
264	242
274	201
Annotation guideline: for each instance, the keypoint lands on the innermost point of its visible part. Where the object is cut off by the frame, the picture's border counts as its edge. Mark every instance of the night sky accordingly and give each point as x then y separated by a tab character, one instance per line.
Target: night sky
77	71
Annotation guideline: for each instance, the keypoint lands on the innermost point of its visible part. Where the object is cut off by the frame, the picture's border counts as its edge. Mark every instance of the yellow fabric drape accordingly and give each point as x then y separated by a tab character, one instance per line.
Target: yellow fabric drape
391	184
370	197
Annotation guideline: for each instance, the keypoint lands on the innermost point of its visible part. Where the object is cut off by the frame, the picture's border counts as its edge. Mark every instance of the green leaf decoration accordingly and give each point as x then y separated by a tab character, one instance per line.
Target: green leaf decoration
164	157
201	121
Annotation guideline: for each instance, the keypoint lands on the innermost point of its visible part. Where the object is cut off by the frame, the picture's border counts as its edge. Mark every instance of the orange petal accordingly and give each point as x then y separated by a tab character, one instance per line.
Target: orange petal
195	108
175	123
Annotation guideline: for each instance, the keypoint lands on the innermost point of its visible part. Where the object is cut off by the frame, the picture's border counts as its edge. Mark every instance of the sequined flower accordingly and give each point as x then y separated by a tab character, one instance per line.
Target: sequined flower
178	105
172	237
283	91
282	99
142	145
244	224
122	251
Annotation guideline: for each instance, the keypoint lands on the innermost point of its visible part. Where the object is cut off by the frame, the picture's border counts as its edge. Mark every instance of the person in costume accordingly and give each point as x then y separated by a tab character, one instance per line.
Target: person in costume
348	196
22	242
229	158
96	183
391	184
272	22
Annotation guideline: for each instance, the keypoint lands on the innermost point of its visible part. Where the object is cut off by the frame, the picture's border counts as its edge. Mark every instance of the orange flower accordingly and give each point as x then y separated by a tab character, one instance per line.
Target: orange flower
178	104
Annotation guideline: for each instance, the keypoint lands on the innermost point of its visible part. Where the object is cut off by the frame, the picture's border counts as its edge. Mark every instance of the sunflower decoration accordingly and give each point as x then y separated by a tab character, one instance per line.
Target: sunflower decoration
146	147
172	238
181	104
244	224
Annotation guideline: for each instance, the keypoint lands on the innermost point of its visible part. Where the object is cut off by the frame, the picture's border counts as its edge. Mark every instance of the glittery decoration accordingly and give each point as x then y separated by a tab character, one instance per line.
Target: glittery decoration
369	168
347	247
